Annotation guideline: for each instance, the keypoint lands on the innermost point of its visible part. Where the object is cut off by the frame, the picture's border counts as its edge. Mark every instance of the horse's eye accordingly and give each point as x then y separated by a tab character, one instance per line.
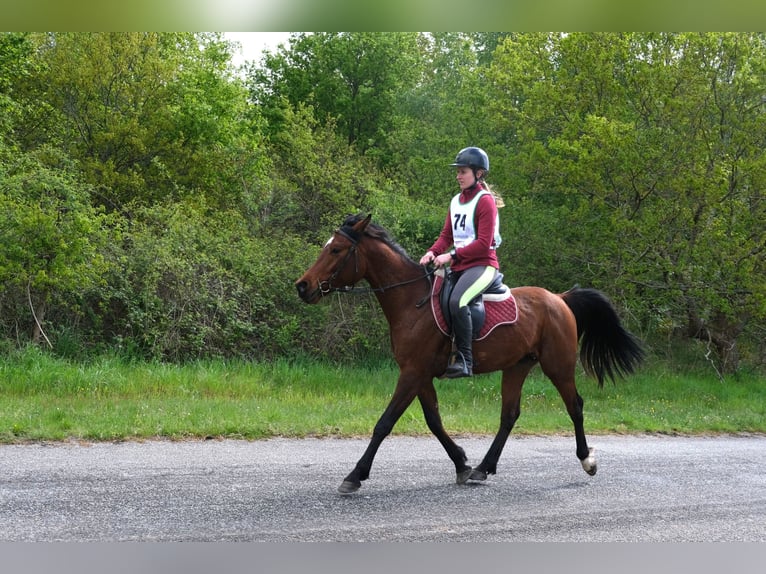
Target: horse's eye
334	250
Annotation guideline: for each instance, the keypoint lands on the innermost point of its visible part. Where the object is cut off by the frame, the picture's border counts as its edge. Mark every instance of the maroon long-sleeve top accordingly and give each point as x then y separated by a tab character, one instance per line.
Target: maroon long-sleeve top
479	251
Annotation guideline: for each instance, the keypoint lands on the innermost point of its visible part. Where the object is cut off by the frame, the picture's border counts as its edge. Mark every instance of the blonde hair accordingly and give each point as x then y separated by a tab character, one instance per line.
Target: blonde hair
498	198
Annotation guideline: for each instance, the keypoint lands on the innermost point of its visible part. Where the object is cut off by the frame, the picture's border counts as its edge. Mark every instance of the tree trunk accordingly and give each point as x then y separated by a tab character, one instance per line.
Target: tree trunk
721	335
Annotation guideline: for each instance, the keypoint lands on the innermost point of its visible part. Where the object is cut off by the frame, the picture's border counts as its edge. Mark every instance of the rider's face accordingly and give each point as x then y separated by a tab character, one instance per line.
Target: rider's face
465	177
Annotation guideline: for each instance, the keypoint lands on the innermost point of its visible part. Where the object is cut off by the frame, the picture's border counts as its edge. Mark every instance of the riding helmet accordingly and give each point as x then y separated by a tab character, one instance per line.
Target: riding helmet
473	157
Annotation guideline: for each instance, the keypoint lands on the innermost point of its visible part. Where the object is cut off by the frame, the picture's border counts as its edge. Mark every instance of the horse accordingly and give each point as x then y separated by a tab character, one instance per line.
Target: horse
547	332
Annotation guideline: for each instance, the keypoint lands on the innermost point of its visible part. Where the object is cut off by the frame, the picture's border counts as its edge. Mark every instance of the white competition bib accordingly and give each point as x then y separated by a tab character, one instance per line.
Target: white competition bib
463	228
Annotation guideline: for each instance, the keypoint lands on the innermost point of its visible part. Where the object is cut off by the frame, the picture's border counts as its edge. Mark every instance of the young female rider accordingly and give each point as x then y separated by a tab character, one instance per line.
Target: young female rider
472	227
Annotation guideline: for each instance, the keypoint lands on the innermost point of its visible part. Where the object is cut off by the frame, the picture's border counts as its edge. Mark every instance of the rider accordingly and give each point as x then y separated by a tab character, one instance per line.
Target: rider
472	228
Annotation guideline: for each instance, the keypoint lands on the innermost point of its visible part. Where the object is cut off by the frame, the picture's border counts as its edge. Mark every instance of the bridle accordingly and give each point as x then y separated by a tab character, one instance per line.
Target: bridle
326	287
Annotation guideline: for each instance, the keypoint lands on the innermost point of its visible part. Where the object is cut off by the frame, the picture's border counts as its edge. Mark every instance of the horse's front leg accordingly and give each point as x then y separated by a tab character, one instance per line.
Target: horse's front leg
430	404
404	394
513	380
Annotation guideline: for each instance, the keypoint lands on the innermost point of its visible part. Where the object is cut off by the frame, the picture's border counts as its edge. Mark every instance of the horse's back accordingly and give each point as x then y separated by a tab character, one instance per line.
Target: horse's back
546	312
539	300
545	326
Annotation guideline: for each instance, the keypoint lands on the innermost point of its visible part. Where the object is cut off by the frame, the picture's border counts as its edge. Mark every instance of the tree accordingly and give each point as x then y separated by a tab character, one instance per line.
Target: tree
350	78
318	178
150	116
50	239
648	149
442	113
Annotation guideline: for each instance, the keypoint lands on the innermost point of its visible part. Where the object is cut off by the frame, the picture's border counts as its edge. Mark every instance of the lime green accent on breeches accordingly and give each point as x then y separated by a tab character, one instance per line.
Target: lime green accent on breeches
478	287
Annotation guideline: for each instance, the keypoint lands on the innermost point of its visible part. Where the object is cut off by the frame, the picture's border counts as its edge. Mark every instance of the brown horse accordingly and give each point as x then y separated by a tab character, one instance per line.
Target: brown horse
546	333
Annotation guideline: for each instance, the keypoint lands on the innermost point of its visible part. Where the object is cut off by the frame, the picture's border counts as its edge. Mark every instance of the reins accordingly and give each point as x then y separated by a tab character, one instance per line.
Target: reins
325	287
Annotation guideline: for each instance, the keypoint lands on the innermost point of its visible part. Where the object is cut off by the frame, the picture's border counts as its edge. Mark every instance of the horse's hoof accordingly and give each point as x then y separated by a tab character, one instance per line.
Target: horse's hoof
464	475
477	474
348	487
589	463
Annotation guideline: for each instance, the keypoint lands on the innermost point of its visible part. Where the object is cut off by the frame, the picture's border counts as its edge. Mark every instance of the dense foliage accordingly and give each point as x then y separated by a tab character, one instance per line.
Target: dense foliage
157	203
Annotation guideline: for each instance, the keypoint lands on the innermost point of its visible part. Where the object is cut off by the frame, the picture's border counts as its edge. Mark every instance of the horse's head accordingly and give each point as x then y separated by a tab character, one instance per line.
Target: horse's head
338	266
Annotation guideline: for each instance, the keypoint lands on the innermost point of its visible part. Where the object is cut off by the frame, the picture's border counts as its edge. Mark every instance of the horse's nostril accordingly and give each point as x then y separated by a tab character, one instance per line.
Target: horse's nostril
301	286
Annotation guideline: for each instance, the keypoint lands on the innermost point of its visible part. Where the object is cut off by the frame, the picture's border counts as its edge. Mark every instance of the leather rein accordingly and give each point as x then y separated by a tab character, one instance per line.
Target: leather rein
326	287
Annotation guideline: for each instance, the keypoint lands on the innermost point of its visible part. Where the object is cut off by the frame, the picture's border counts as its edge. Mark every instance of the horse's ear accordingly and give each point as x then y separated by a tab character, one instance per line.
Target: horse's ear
363	223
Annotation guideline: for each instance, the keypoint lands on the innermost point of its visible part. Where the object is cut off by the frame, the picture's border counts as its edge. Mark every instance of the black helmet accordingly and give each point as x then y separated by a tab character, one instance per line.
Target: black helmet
473	157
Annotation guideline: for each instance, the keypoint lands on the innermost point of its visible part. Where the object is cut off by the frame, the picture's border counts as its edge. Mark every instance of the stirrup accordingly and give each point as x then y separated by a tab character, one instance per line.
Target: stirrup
458	367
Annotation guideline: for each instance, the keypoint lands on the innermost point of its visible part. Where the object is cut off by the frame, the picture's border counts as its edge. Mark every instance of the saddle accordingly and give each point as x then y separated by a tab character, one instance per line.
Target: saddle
495	306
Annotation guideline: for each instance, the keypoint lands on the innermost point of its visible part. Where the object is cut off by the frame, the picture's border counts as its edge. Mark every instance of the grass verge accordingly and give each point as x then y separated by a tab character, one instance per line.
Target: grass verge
44	398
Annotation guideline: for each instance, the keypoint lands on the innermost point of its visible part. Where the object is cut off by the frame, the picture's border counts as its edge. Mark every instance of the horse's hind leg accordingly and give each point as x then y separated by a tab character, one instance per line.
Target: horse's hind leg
584	453
430	404
513	380
565	384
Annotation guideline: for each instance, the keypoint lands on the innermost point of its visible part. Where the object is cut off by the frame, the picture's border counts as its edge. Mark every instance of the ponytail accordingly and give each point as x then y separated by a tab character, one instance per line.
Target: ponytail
497	197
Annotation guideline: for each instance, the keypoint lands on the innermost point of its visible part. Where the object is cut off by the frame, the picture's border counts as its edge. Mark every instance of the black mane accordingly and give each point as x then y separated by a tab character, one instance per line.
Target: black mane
375	231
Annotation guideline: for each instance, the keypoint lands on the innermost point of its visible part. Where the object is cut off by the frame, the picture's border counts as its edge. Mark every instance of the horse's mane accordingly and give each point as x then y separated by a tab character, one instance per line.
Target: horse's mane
376	232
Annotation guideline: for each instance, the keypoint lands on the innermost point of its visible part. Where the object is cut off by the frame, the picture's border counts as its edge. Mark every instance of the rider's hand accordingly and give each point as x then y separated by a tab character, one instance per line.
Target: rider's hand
442	260
427	258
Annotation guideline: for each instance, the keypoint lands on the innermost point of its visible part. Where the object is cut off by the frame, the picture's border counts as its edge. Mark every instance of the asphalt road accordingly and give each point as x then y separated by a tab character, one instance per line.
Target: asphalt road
646	489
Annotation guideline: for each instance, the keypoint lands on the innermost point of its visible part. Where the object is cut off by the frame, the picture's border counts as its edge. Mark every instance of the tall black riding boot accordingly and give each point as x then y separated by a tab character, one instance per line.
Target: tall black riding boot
462	326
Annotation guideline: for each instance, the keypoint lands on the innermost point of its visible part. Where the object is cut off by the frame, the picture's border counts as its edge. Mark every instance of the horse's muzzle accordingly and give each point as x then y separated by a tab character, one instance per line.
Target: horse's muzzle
308	295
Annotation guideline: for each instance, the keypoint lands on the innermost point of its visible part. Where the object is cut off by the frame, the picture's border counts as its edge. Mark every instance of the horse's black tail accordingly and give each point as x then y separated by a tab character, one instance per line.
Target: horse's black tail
607	349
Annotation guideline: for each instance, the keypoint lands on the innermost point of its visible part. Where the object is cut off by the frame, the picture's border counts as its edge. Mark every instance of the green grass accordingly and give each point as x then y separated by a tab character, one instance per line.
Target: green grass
44	398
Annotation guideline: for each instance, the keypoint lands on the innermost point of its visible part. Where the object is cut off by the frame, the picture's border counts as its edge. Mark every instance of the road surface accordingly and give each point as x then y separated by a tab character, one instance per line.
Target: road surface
648	488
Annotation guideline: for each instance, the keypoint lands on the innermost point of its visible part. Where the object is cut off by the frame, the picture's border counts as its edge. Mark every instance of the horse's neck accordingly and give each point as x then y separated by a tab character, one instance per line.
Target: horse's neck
395	281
